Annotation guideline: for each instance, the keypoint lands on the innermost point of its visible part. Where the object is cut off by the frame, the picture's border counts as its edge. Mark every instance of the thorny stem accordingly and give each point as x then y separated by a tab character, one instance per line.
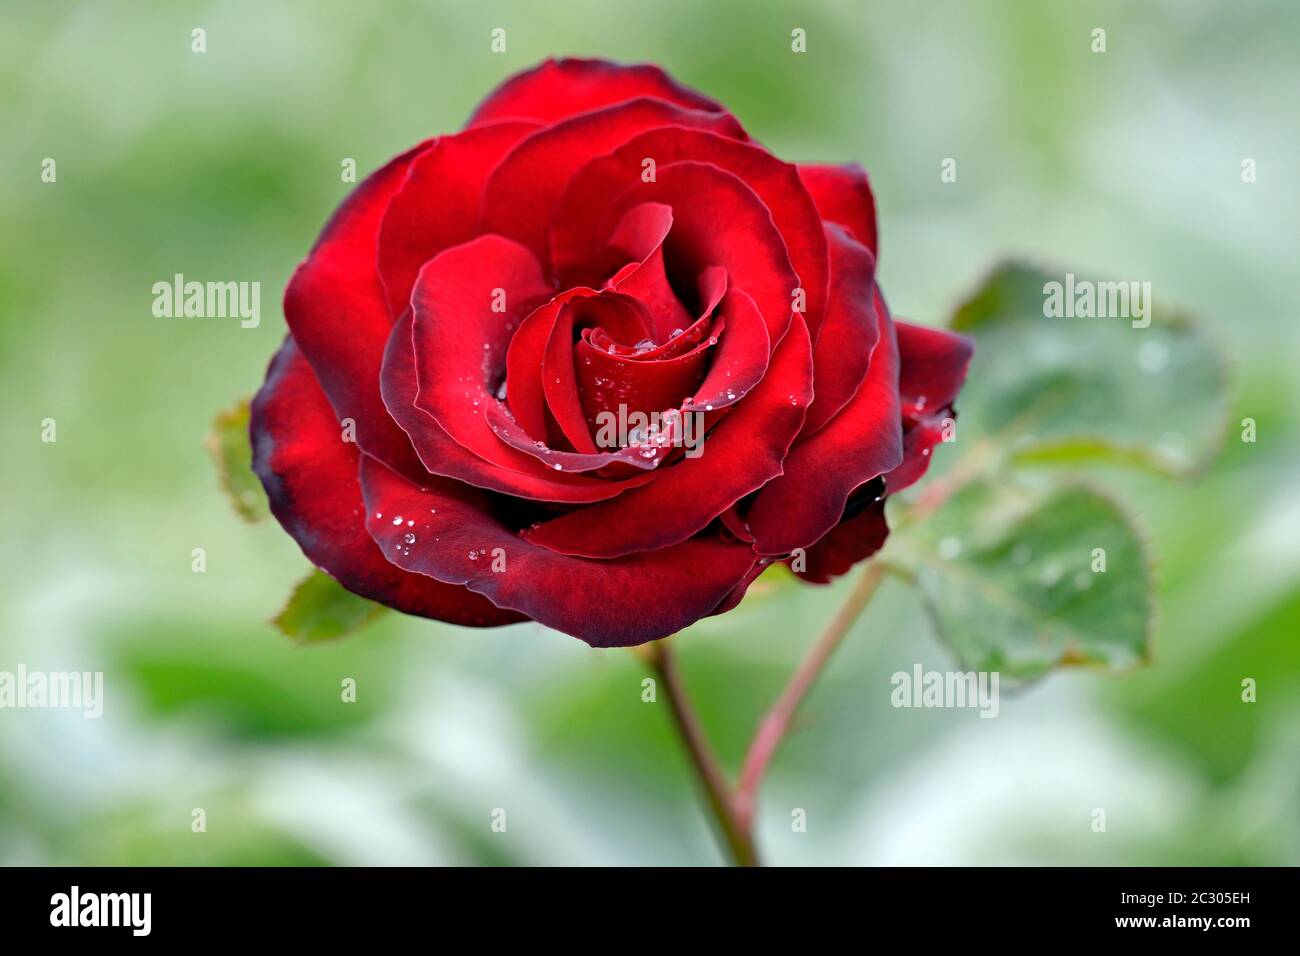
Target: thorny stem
733	810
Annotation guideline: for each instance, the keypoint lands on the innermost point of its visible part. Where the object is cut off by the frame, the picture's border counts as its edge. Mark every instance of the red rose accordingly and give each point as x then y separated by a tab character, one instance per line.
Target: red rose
598	242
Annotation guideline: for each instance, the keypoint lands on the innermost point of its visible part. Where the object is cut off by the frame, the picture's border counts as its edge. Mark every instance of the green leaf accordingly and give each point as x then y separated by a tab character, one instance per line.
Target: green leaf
1079	390
229	446
1013	579
320	609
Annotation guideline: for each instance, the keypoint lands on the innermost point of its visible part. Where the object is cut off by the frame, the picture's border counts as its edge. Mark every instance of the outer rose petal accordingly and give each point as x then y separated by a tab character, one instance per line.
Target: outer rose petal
557	89
852	540
520	197
337	313
934	363
850	332
843	196
437	206
933	366
864	441
605	603
310	476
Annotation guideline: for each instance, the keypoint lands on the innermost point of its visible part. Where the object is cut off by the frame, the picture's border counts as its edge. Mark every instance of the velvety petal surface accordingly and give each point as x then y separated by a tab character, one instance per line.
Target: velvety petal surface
850	332
557	89
862	442
717	221
776	184
520	197
843	196
338	314
461	539
933	368
739	455
310	476
438	204
525	477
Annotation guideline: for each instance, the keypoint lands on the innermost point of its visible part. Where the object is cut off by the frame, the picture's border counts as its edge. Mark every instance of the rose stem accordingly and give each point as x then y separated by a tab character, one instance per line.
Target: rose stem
738	839
777	722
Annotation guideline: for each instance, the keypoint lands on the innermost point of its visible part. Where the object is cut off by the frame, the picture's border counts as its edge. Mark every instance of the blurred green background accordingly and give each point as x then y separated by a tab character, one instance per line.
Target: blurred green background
224	165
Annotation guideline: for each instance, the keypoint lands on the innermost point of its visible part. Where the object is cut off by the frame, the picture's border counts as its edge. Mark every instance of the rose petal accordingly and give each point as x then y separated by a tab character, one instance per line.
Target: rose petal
933	364
605	603
862	442
933	367
525	477
560	380
852	540
527	382
850	332
717	221
843	195
337	312
520	196
466	304
742	453
437	206
608	382
641	234
776	184
310	476
557	89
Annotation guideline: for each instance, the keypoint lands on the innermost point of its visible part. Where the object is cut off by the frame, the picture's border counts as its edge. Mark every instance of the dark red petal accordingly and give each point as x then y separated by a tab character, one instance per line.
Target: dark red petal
338	315
849	334
737	594
310	476
438	204
862	442
849	542
461	351
545	337
742	357
621	463
461	342
776	184
557	89
441	455
934	363
717	221
628	601
919	439
610	381
613	312
520	197
641	234
843	196
744	451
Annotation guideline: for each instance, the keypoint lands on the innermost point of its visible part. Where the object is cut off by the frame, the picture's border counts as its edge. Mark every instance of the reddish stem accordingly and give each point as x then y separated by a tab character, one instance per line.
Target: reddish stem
777	722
